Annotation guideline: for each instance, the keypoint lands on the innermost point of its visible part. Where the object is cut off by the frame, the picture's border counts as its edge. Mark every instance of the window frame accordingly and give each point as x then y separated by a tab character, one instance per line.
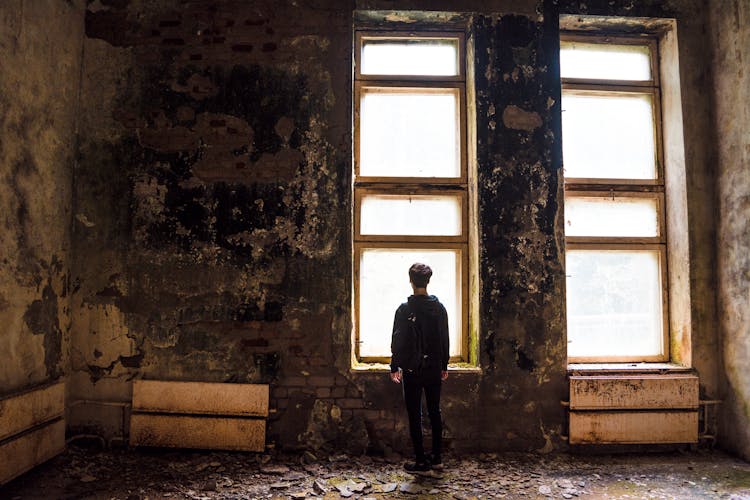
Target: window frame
402	191
400	186
362	35
604	187
365	85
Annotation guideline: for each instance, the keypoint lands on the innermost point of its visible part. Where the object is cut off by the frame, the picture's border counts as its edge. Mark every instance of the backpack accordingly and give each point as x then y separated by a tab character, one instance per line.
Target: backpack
410	346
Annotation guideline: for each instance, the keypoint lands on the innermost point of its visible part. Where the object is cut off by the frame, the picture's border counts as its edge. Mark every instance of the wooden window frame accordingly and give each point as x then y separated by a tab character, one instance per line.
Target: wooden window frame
404	186
602	187
660	237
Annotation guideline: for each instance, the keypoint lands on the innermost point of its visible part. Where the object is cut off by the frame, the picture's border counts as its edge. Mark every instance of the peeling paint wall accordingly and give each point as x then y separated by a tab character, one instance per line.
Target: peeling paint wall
210	215
40	43
218	137
731	54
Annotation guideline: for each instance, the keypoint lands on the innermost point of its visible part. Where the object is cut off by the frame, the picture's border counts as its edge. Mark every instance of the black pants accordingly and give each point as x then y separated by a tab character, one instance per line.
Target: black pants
414	385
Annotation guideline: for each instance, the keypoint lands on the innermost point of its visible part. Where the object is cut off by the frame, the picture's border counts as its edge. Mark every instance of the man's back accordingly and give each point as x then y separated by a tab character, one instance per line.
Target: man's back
432	323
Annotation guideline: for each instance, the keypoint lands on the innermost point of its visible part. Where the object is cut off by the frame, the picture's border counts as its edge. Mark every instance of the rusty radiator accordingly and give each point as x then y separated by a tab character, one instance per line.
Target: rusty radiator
32	429
199	415
633	409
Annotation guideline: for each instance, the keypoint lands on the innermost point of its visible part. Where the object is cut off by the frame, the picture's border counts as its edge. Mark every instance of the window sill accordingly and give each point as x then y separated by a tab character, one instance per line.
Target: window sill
382	367
616	368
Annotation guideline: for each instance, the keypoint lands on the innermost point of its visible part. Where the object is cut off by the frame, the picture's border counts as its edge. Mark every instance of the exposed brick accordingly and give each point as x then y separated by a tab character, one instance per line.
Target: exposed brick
353	392
279	392
383	425
323	392
338	392
321	381
294	381
370	415
242	47
347	414
350	403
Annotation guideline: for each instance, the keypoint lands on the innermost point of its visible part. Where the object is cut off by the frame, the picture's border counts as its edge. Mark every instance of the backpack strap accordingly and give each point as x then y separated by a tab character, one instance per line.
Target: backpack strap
419	335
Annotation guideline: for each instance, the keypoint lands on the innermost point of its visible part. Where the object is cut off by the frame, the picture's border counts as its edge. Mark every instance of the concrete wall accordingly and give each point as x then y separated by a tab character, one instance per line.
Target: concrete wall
731	56
40	49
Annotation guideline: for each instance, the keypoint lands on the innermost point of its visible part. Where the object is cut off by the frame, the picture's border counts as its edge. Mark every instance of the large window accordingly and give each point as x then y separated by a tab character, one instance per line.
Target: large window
410	181
616	248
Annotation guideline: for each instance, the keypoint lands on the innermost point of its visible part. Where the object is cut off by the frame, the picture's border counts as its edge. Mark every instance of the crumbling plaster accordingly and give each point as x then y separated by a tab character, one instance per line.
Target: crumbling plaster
40	48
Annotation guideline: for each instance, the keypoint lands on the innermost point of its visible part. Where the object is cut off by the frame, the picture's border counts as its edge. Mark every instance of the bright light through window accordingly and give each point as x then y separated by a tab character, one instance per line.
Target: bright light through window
384	285
410	182
608	136
415	215
614	201
610	216
409	134
605	61
410	57
614	303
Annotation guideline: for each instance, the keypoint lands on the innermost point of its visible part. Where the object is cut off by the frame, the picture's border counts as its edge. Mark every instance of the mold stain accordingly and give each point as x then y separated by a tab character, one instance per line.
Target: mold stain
41	318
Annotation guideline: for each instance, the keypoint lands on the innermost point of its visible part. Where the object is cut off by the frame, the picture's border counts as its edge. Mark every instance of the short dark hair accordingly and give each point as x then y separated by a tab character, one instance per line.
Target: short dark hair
420	274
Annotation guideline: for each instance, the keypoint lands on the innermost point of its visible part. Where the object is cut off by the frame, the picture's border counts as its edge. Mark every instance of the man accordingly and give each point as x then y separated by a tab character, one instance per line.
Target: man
420	330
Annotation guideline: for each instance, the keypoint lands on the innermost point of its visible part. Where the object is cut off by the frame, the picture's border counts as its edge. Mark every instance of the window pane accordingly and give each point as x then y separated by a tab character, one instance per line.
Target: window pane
605	61
384	285
614	303
412	215
608	136
405	134
410	57
605	216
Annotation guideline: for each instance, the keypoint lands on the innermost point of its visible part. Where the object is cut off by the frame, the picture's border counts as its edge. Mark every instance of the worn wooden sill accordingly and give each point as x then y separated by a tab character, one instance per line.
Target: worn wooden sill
625	368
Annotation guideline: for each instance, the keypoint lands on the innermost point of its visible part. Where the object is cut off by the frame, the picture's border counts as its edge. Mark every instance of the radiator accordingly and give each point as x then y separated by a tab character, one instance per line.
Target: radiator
199	415
633	409
32	429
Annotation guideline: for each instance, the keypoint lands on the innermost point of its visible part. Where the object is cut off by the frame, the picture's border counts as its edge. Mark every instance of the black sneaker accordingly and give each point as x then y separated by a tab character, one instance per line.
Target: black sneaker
437	463
419	467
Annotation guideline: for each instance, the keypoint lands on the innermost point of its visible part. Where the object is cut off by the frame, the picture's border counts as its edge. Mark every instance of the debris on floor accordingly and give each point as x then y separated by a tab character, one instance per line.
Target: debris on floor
140	474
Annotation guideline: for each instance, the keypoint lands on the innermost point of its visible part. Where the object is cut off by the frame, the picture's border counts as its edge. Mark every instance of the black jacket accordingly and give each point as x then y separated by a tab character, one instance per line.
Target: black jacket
432	321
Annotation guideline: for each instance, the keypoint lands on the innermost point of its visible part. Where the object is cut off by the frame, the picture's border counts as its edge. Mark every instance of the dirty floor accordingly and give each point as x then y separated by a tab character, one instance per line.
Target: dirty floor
120	474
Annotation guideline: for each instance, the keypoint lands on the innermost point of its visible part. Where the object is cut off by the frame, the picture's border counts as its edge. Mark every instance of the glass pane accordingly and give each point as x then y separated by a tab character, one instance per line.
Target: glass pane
410	57
605	216
608	136
614	303
605	61
384	285
409	134
413	215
